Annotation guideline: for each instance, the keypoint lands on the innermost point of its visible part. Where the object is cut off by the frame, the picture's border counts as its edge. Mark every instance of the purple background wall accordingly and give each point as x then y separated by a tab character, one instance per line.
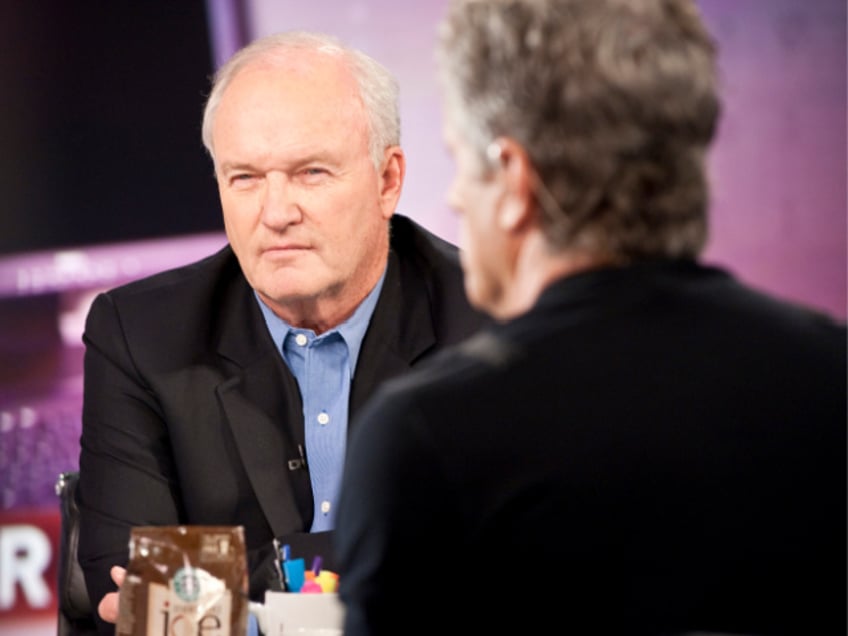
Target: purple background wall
779	165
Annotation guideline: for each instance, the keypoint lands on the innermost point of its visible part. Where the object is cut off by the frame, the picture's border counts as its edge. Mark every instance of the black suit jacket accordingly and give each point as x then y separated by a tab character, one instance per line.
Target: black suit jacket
649	450
190	414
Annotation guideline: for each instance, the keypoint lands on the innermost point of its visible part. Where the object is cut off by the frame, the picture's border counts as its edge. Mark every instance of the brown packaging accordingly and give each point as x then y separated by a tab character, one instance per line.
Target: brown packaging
185	581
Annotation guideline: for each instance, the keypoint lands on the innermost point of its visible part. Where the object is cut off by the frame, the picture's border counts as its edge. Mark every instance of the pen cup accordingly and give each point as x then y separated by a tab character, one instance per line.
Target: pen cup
286	614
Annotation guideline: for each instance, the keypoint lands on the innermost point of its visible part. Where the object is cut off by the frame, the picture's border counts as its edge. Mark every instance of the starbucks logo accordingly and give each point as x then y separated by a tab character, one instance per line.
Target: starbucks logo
187	584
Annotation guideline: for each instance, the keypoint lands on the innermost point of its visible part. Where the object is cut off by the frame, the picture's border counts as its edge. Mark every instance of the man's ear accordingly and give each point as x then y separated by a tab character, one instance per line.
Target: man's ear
391	179
515	172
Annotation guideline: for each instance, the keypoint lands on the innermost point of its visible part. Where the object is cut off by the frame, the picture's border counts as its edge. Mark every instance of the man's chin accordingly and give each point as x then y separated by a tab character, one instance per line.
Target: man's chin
291	293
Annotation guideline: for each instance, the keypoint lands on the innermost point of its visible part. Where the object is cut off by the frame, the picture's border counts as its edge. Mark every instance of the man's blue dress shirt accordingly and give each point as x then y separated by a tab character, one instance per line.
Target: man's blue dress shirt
324	366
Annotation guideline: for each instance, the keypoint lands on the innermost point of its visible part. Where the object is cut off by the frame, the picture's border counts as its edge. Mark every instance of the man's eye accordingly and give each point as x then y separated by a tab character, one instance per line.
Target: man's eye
242	179
312	172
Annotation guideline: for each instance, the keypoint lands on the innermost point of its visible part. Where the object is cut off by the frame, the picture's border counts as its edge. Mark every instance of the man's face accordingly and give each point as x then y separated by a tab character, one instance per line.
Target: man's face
475	195
304	208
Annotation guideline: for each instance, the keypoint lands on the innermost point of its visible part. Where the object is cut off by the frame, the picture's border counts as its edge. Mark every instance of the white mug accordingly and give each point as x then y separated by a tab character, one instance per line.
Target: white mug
295	614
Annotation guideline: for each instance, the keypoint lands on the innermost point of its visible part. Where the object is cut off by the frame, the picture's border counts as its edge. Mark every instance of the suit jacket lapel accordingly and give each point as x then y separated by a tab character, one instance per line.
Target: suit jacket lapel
263	407
400	331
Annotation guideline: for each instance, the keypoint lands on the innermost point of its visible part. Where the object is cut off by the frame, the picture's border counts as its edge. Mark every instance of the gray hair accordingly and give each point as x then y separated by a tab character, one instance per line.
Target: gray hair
615	102
378	88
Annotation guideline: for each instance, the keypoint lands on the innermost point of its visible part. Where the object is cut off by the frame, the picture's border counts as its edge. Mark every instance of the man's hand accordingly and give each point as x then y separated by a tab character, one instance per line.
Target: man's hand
108	607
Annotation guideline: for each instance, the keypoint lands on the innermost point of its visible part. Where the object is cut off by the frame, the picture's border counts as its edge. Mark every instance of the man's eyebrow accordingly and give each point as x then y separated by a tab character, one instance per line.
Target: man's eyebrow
319	156
230	166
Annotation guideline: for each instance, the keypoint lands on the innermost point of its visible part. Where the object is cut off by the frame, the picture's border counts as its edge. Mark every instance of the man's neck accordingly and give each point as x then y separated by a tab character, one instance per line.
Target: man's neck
537	266
328	310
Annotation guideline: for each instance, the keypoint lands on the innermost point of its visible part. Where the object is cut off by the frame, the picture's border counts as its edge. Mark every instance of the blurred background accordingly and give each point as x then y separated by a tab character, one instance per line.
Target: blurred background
104	179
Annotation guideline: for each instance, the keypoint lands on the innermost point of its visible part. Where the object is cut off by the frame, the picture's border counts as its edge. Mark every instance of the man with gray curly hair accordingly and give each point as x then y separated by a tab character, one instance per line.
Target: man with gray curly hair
641	444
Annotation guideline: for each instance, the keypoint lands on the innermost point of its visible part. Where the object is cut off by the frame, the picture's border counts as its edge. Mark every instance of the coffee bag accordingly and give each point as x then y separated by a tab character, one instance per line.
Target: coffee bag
185	581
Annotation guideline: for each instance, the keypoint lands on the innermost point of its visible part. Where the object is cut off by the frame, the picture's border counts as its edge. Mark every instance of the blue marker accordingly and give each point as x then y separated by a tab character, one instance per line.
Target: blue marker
294	571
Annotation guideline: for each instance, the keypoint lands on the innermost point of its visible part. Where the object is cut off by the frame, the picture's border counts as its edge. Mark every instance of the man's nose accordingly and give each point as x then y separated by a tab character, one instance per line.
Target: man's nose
280	207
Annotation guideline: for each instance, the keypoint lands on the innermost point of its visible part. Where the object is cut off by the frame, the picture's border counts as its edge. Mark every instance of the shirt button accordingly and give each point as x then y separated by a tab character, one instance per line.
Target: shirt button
323	418
300	339
325	507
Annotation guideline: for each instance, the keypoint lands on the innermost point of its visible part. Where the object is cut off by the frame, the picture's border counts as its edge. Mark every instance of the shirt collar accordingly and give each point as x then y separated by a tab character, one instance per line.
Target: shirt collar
351	330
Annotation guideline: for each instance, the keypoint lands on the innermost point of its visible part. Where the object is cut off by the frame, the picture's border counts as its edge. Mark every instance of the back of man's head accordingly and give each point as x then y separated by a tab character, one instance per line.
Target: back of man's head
615	102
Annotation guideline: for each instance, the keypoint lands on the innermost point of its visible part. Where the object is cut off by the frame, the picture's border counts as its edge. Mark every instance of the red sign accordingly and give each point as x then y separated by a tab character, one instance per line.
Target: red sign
29	560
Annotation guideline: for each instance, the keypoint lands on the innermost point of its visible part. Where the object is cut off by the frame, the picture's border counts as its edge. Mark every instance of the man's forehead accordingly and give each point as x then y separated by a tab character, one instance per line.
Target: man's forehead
287	83
285	105
301	65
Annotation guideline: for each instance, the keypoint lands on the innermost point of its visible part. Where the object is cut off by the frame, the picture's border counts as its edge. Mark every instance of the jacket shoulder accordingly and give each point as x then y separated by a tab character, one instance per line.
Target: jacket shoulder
180	311
196	276
412	240
434	264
